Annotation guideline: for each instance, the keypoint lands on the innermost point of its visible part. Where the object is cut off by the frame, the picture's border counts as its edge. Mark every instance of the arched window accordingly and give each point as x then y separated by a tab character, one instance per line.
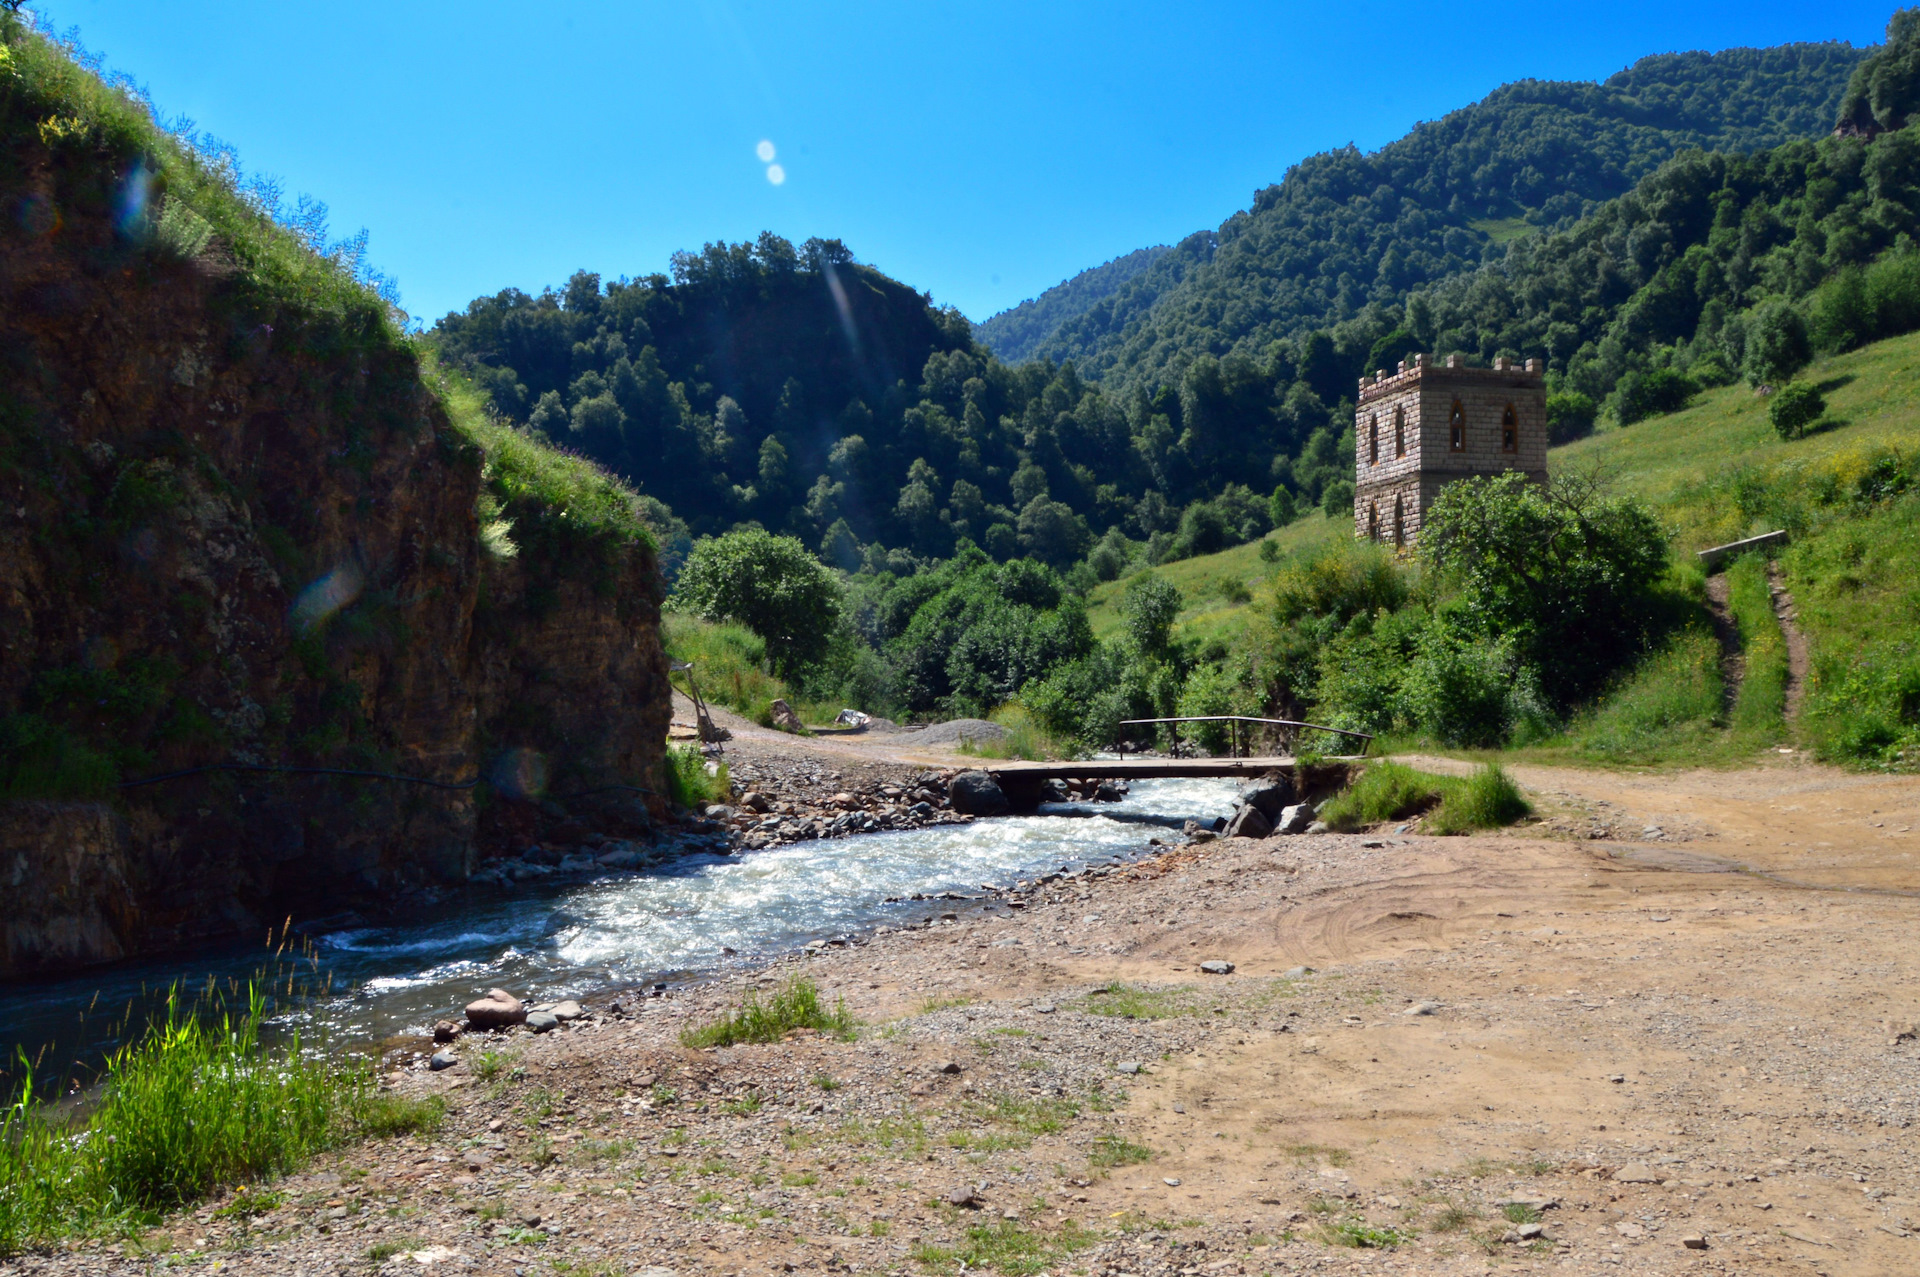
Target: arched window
1457	428
1373	521
1399	522
1509	430
1399	432
1373	440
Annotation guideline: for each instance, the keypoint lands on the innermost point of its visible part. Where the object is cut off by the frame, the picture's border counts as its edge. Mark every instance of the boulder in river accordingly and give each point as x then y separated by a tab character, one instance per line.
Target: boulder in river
497	1010
977	794
1268	795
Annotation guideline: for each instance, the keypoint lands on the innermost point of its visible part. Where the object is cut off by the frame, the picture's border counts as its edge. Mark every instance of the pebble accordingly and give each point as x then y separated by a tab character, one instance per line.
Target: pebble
1045	1008
1636	1173
1128	1066
443	1060
1694	1241
1170	1182
1422	1008
1296	973
542	1021
1217	967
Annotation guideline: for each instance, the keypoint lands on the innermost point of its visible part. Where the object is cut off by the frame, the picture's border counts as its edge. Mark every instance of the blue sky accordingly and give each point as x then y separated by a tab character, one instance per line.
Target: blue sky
980	152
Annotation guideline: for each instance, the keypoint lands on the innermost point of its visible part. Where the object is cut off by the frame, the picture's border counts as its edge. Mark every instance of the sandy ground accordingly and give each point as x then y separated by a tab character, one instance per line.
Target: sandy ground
1672	1022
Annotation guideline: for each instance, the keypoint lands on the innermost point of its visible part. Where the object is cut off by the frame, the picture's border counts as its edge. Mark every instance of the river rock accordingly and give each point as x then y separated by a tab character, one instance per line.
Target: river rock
1294	819
1268	795
975	793
785	719
568	1010
1249	822
442	1060
496	1011
445	1031
542	1021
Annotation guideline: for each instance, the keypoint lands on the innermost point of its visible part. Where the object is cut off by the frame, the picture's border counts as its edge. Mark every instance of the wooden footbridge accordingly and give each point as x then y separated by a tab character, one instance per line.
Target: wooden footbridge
1025	784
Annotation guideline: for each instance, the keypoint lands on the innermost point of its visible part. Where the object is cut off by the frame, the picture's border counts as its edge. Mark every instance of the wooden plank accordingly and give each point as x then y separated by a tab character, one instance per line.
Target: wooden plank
1140	768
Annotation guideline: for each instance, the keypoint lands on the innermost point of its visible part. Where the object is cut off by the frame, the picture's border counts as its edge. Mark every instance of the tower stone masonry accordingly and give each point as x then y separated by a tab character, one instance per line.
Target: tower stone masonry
1420	428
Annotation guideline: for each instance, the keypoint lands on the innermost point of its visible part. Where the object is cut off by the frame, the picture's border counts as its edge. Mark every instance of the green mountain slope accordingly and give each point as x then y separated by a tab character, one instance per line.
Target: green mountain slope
1014	335
1344	229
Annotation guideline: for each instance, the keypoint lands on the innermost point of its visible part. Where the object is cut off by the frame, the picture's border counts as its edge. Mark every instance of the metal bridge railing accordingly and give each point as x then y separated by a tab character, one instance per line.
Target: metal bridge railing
1291	727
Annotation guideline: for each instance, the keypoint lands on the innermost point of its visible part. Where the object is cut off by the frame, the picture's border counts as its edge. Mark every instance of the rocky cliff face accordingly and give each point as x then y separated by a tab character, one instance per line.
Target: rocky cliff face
239	527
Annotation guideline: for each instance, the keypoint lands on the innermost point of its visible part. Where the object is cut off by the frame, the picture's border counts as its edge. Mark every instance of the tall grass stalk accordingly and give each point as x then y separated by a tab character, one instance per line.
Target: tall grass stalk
195	1105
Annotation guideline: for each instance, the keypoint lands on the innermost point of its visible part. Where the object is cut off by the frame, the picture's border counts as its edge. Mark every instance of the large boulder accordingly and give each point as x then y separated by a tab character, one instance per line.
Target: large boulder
785	719
1248	822
977	794
1268	795
498	1010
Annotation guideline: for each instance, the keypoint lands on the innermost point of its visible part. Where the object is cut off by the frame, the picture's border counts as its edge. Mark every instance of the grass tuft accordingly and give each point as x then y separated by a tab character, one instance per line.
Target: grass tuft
195	1105
1388	791
688	783
797	1006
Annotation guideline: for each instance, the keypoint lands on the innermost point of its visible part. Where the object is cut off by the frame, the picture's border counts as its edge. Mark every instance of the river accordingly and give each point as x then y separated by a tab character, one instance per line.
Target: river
675	922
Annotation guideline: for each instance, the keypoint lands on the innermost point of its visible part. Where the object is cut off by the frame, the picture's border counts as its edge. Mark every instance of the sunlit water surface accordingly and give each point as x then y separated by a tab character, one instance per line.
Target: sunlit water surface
567	940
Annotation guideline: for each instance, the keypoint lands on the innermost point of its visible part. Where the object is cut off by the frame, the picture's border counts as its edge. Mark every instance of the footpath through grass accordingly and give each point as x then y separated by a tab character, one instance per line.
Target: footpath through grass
196	1105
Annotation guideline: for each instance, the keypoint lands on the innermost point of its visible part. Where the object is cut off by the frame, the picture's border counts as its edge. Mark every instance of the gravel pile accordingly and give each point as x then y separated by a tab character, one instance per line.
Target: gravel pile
977	730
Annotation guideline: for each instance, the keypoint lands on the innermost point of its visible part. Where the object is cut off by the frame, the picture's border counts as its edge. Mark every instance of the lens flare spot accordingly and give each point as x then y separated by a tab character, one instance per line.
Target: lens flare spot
130	210
776	174
764	151
520	773
322	600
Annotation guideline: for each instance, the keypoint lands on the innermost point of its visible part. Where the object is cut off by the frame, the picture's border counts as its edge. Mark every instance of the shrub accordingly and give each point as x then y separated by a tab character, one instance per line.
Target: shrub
1150	607
797	1006
1570	415
1564	575
1795	406
1337	500
1776	343
1460	690
1640	395
769	584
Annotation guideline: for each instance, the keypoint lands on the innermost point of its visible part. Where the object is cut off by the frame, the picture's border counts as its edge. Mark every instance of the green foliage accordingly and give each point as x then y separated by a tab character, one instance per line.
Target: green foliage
385	1115
1670	705
795	1006
1109	1151
1345	229
1014	335
688	783
1150	607
770	584
1570	416
729	663
1776	344
1759	707
39	759
970	634
1794	407
1640	395
1487	799
1563	574
1884	90
1387	792
1006	1247
194	1105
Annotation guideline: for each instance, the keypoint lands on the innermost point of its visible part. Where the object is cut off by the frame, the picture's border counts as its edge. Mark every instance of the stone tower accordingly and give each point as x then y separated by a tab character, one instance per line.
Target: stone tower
1424	426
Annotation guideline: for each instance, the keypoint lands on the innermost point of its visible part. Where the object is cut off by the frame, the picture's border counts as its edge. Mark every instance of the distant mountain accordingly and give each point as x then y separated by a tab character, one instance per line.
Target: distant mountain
1015	334
1344	229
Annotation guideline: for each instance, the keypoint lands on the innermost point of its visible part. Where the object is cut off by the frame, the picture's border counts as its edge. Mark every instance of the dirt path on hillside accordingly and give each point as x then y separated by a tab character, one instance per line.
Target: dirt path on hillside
1799	658
1684	1045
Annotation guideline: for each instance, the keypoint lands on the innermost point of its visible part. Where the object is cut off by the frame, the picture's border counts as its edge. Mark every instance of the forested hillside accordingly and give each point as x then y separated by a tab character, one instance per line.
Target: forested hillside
1014	335
1344	229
